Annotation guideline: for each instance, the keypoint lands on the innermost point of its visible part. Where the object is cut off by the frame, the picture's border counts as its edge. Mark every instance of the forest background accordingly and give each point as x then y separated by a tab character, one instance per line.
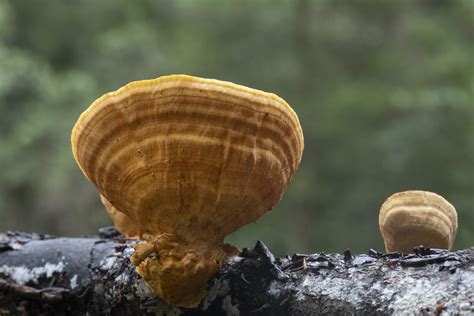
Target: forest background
383	89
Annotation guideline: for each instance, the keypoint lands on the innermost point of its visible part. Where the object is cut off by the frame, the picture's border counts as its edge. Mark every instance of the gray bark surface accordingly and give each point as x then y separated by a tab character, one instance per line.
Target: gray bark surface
42	275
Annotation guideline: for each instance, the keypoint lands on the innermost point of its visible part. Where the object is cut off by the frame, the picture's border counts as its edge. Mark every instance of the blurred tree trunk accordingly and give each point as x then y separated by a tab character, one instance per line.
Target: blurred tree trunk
75	276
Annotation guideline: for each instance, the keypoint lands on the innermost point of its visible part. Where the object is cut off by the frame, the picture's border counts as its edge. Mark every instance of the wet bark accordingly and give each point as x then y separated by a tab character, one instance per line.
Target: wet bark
49	275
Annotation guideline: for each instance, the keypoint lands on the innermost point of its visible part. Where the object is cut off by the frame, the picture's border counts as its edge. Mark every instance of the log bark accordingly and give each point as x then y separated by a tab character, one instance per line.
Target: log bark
41	274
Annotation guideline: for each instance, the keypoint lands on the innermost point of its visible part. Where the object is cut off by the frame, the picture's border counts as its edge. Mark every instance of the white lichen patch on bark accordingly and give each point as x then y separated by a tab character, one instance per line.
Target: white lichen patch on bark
107	263
128	252
22	274
401	289
229	308
73	282
142	290
218	289
413	292
122	278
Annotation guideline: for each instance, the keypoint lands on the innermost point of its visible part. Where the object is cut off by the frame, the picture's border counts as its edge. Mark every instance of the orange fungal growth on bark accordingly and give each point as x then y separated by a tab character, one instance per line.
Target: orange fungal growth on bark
188	160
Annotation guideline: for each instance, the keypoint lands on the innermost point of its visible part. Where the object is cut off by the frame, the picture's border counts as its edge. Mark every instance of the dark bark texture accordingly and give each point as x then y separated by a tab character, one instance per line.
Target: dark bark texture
42	275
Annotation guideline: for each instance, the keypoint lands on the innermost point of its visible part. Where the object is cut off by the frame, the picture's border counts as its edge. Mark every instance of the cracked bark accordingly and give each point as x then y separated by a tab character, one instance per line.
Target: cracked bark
48	275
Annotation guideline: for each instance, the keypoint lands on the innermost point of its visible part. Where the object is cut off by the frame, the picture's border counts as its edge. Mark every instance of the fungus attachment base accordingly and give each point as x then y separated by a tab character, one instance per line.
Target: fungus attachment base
178	271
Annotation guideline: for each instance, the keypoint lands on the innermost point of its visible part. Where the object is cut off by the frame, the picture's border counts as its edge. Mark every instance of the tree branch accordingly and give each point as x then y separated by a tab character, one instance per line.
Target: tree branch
42	274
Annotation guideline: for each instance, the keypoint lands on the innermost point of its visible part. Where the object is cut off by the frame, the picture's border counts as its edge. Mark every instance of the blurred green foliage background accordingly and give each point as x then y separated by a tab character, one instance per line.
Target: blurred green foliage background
383	89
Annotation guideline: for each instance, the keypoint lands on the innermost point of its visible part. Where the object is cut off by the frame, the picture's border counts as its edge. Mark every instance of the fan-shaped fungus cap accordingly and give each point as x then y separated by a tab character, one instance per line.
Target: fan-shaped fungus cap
190	160
412	218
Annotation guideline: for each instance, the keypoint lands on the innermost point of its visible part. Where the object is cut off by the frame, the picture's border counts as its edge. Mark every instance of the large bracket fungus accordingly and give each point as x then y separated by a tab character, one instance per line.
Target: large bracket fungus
188	161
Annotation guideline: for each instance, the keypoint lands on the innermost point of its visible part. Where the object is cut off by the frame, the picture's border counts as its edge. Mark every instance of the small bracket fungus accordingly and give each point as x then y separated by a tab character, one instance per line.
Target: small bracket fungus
412	218
188	160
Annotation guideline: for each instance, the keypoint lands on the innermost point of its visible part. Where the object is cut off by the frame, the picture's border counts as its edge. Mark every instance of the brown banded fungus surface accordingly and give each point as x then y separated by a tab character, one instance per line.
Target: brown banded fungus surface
188	160
412	218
